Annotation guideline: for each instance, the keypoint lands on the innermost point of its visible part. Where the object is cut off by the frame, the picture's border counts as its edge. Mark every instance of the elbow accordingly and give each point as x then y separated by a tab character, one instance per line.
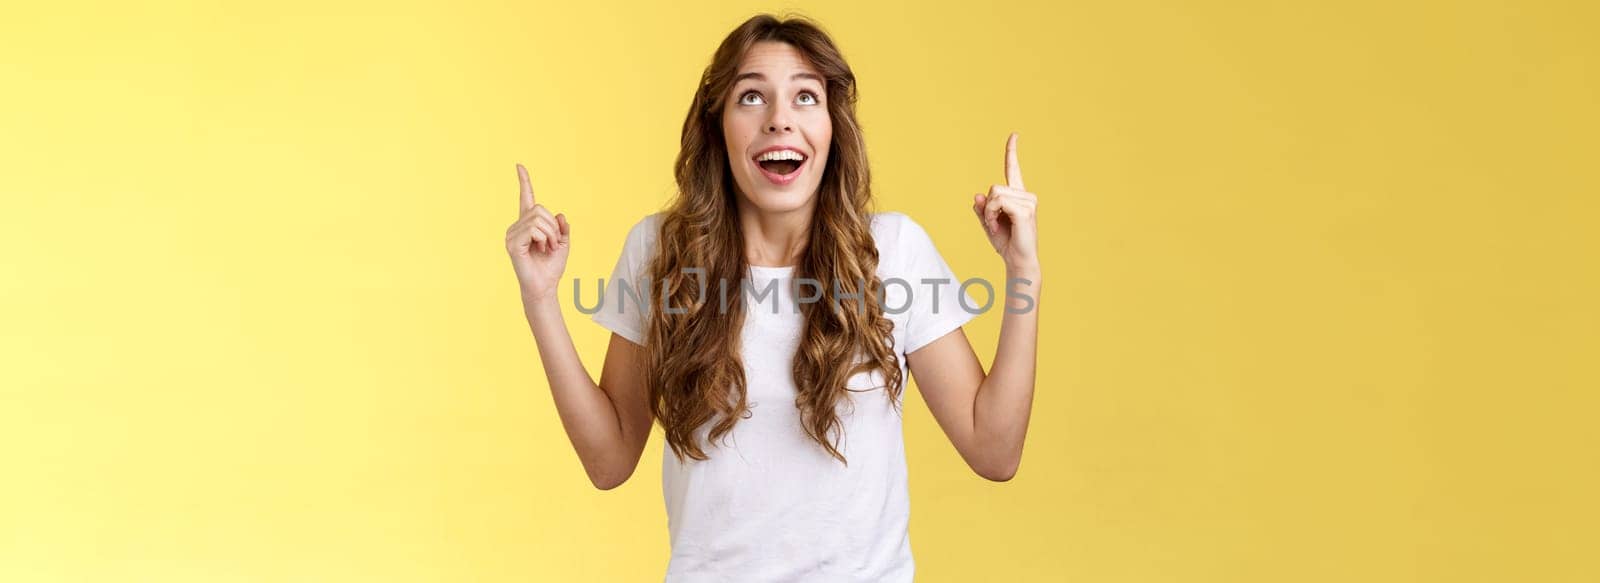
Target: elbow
998	472
607	482
609	478
1001	475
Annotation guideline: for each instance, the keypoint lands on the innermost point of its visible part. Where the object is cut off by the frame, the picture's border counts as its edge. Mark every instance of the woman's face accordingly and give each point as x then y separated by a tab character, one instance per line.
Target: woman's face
777	128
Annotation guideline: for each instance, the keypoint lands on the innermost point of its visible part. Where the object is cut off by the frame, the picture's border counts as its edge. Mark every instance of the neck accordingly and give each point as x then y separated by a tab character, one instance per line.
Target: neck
775	239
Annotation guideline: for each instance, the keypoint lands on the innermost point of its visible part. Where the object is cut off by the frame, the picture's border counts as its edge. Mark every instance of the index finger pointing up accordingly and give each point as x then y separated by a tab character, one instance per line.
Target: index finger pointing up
1013	170
526	197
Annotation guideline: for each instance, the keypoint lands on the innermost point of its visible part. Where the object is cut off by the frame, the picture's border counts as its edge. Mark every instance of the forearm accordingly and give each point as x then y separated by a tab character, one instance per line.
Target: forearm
1005	399
587	412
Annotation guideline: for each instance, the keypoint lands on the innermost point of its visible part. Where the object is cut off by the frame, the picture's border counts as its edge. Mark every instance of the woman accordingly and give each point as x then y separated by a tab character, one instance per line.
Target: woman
783	424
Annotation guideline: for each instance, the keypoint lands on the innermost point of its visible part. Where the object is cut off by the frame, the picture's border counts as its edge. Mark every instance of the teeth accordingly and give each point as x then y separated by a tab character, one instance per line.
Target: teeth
780	155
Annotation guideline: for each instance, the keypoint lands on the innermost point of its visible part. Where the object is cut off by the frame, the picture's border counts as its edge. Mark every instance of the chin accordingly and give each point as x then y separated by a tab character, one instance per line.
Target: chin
781	200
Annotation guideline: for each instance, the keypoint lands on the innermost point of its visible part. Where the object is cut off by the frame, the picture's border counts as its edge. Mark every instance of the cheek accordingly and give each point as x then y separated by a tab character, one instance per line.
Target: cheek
736	133
821	127
821	133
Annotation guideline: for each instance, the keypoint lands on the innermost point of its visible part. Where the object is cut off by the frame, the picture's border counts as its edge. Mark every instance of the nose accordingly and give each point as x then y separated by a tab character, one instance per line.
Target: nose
779	122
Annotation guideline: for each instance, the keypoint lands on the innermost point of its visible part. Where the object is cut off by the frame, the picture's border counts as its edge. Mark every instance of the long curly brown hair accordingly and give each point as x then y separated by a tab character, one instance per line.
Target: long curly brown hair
694	371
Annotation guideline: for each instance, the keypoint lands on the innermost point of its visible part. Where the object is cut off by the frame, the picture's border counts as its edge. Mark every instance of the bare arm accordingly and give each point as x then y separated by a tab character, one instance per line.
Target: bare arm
608	423
986	415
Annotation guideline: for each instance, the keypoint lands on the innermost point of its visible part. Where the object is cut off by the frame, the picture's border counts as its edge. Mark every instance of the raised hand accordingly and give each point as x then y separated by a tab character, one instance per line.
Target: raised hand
538	244
1007	215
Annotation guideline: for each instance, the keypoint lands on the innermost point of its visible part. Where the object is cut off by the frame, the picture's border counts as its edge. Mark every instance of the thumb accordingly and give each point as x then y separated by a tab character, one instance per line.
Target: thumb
979	203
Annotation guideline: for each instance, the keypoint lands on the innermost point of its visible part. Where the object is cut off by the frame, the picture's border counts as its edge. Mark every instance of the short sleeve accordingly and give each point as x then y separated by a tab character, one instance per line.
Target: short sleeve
624	306
935	306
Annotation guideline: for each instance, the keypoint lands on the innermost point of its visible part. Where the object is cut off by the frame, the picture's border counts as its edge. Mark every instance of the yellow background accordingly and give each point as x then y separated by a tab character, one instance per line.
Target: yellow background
1320	302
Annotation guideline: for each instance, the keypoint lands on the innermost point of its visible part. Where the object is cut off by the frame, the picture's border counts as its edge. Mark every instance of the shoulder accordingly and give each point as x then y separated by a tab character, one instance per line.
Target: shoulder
640	243
643	233
903	245
648	225
890	226
896	231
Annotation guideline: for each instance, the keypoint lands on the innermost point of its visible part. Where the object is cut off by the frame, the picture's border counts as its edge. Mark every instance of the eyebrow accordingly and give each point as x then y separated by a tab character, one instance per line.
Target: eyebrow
760	77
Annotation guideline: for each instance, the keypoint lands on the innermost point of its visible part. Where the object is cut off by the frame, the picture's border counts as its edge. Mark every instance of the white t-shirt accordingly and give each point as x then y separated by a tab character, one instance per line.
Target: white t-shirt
770	504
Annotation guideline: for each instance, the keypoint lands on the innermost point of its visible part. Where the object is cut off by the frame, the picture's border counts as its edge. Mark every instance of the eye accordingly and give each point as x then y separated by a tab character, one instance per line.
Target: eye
745	99
806	98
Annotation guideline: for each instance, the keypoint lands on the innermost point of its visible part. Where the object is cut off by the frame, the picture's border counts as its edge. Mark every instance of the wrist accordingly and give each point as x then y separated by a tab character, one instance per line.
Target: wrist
540	300
1028	270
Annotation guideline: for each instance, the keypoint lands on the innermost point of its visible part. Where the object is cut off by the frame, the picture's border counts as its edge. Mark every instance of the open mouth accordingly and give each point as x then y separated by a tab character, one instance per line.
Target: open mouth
781	166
